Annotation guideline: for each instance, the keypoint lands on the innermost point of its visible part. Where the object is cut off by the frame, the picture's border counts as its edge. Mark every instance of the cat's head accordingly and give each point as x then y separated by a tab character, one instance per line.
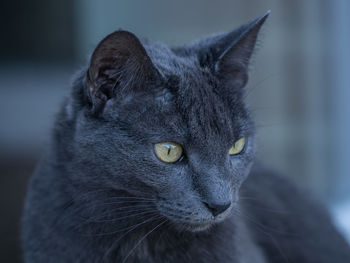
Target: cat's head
169	125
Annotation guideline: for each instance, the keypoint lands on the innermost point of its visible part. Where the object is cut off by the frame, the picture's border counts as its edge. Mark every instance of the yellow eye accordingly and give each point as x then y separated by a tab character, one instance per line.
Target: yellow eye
168	152
238	147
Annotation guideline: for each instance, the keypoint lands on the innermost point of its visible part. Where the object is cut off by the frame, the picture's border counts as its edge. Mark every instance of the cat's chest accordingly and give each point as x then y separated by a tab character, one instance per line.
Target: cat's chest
218	247
199	253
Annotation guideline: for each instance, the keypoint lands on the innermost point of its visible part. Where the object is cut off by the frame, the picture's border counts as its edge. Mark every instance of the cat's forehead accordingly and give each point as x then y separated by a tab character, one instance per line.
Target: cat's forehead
197	108
180	73
168	63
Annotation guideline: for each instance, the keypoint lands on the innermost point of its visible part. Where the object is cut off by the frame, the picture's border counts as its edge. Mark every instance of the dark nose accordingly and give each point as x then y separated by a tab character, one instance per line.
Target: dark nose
217	209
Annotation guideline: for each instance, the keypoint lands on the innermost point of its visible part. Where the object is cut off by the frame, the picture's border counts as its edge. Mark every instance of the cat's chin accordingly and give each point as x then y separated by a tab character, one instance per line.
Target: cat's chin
199	227
189	227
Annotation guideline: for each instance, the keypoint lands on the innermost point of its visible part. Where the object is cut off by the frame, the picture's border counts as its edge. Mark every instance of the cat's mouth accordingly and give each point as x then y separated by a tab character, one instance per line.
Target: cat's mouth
193	220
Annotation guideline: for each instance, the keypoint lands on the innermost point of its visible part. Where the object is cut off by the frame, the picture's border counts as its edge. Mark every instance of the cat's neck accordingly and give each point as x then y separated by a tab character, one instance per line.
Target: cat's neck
160	242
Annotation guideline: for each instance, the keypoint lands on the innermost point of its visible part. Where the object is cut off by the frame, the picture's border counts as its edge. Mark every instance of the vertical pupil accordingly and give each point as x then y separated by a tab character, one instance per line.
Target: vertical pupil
169	149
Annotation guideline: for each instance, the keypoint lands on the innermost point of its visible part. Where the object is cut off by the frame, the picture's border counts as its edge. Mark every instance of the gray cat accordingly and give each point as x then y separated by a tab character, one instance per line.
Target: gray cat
152	161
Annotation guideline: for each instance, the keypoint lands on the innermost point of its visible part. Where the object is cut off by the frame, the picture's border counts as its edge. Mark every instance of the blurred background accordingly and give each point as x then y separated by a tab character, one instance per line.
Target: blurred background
299	87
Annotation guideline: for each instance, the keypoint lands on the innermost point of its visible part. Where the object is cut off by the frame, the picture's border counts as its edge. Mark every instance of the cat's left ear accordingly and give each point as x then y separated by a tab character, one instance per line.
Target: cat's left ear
231	52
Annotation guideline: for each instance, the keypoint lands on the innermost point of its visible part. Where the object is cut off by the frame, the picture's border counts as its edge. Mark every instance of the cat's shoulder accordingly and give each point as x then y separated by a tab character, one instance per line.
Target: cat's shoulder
288	221
272	183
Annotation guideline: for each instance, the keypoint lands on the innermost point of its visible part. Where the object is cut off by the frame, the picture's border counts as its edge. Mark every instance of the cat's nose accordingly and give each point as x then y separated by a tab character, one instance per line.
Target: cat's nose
216	208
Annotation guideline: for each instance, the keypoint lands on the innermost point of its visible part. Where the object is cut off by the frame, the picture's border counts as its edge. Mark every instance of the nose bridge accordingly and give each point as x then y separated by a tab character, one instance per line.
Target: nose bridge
213	185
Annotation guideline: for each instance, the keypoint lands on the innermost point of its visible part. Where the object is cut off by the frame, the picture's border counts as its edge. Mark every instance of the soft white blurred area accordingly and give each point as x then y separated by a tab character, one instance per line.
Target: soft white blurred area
299	87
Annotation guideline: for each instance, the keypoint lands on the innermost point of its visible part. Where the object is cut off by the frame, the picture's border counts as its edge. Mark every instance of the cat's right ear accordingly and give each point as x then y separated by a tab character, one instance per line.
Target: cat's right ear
119	66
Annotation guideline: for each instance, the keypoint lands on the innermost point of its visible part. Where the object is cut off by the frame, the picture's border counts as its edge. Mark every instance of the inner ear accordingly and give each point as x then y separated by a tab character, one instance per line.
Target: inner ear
119	66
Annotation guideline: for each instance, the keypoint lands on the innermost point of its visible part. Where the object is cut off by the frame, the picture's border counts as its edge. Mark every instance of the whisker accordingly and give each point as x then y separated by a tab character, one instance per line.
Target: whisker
261	207
123	217
122	209
262	107
110	213
121	198
86	194
125	208
90	193
132	197
271	125
258	83
262	225
126	202
250	198
115	243
126	228
143	238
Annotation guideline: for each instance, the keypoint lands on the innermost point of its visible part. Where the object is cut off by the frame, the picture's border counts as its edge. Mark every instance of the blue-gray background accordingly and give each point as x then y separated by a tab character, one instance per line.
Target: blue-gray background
299	89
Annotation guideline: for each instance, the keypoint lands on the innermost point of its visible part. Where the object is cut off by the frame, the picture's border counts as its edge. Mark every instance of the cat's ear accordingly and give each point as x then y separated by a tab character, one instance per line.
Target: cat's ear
234	60
230	53
119	66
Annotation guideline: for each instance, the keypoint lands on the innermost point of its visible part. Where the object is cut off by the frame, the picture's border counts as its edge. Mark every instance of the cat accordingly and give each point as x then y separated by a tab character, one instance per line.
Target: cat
152	160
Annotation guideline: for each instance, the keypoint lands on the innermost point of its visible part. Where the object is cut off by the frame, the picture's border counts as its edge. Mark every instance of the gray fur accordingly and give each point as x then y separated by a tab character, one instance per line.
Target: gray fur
101	195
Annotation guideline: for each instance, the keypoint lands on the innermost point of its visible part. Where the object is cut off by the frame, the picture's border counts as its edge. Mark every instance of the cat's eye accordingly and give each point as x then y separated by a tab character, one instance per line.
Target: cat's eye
168	152
237	147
